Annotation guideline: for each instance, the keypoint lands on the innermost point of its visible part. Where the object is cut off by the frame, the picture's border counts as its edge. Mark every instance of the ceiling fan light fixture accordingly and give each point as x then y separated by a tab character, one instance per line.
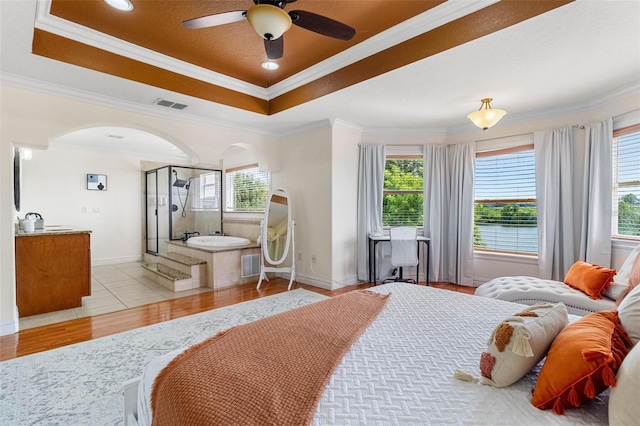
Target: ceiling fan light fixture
269	21
486	116
270	65
124	5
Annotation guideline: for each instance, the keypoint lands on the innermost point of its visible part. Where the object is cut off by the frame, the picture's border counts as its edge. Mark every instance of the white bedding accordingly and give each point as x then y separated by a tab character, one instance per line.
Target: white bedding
400	371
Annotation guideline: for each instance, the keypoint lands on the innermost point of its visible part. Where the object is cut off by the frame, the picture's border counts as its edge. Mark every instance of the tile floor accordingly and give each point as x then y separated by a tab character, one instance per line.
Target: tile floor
113	288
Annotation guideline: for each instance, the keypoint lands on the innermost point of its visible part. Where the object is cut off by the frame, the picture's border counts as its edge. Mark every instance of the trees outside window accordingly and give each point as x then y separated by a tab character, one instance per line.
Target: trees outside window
626	182
403	199
246	189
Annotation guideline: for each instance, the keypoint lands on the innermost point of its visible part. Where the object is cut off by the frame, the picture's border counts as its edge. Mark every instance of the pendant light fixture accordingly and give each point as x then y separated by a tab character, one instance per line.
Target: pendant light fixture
486	117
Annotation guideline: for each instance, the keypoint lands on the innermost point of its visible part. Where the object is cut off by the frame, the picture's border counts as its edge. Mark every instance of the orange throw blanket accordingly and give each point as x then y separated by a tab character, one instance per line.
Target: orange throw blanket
268	372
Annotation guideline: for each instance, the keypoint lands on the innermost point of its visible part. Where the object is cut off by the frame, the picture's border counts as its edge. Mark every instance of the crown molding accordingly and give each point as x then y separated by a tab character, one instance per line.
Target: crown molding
306	128
63	28
340	124
419	24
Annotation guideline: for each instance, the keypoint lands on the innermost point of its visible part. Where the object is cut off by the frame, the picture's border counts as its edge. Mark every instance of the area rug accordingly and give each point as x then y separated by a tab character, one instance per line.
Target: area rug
81	384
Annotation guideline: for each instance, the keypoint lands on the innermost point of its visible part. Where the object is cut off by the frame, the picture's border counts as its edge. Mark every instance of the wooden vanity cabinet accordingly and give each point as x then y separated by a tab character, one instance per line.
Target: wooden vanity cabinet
53	272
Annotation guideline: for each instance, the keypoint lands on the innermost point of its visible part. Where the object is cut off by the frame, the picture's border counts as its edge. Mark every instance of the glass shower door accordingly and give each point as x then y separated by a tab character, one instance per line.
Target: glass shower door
152	212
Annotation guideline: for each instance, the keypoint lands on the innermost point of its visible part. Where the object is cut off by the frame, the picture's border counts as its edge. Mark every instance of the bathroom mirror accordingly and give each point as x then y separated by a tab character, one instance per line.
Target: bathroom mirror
277	230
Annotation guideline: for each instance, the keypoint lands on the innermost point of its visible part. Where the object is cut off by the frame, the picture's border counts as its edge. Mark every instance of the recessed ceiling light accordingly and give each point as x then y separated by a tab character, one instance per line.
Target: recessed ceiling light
124	5
270	65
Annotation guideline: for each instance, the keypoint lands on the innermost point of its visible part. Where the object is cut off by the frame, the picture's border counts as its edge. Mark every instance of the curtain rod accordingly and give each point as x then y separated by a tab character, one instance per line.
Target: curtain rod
578	126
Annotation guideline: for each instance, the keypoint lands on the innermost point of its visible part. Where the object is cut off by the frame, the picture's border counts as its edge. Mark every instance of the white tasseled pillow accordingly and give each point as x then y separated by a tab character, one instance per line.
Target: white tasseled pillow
629	314
519	342
622	279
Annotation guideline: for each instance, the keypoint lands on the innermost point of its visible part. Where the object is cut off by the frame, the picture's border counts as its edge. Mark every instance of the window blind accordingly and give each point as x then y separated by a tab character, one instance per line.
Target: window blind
403	191
246	189
626	182
505	216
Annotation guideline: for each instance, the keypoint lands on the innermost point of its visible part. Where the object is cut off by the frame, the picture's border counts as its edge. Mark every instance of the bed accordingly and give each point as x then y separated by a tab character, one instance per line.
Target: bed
401	369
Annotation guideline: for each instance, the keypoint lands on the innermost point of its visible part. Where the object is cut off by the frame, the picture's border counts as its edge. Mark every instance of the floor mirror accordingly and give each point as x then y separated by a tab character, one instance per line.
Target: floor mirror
277	235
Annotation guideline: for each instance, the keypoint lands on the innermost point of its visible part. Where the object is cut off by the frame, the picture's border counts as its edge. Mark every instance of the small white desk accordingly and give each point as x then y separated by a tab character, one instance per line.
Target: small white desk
373	242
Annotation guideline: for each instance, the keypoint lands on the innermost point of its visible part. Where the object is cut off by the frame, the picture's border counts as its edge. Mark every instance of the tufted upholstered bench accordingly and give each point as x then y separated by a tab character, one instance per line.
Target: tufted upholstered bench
532	290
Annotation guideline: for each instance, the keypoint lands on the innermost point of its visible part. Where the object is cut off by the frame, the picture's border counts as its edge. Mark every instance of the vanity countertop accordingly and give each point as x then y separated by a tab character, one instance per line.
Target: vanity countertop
54	230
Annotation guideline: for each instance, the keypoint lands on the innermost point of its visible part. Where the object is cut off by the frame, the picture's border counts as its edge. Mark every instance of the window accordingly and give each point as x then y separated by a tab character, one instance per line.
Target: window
505	216
402	199
626	182
246	189
207	186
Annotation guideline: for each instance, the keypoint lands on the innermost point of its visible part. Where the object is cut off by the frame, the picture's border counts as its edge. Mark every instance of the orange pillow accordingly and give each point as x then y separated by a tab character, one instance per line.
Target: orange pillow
590	279
582	362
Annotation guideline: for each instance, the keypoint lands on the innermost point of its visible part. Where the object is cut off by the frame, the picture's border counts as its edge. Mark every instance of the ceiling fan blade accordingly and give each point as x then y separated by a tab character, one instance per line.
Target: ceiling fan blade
322	25
274	48
215	20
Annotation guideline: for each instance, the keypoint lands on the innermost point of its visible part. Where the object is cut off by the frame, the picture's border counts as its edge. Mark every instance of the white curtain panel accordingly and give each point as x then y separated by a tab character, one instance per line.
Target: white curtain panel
554	185
459	259
370	186
595	233
436	207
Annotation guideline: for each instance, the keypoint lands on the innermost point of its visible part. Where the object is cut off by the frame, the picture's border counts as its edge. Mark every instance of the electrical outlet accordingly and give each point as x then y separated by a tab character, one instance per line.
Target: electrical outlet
299	256
84	209
313	258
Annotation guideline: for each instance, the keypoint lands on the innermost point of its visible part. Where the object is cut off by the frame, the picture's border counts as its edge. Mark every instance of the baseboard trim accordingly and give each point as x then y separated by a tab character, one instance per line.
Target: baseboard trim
322	282
10	326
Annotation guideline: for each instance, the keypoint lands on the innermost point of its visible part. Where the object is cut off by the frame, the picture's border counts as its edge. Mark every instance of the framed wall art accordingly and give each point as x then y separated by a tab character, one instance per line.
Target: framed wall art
97	182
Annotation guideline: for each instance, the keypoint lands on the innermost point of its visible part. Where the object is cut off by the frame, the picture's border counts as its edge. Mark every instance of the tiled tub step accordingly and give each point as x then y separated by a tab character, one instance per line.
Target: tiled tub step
181	258
182	263
170	278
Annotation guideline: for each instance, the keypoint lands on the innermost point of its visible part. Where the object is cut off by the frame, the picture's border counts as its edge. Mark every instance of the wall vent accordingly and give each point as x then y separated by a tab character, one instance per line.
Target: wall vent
169	104
250	265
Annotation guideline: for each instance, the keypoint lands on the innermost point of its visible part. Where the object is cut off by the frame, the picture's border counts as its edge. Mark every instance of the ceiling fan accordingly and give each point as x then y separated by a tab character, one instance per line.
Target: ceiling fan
270	21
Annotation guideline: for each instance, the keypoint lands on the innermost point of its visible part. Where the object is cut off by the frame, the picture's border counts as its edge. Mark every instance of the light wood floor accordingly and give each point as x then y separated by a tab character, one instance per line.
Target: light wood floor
53	336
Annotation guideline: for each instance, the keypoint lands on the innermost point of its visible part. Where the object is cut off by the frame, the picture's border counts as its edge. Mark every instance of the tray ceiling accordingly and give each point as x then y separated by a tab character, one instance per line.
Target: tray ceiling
223	64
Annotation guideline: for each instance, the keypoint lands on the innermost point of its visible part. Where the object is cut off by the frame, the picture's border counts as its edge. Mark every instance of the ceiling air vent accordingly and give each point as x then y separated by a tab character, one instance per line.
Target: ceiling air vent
169	104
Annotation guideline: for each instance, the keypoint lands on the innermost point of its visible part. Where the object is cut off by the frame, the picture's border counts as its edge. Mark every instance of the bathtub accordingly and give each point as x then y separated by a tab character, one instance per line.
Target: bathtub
217	241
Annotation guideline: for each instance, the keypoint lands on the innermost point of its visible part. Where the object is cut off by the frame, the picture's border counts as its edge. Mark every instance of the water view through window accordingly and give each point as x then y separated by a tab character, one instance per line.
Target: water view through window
505	213
509	238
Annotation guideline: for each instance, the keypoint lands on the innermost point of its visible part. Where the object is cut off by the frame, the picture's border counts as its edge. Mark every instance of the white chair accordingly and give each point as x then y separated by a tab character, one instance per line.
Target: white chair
404	249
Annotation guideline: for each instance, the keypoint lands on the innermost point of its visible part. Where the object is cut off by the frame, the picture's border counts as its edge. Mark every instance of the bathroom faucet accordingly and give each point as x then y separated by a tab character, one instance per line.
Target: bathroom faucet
188	235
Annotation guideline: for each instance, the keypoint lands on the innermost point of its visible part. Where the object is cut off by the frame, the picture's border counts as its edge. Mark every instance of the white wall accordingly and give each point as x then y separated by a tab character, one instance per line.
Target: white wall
344	202
306	174
54	184
8	308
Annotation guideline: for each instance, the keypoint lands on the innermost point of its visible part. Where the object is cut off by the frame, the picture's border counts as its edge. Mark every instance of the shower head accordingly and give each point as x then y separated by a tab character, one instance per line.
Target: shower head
180	183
